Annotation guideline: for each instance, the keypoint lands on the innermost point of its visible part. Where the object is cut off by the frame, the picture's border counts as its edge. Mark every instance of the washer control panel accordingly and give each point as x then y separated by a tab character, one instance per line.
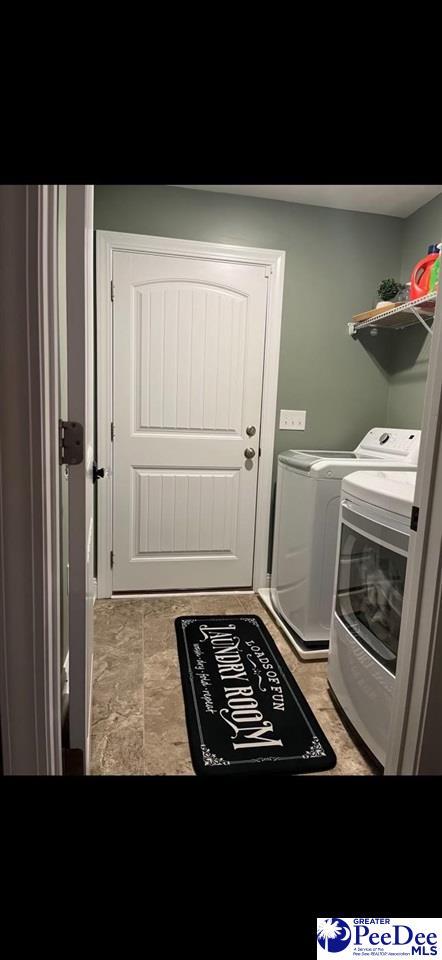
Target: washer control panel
391	443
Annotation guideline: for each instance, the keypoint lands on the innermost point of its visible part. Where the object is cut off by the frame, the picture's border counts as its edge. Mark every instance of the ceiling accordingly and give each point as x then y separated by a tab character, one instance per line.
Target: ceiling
391	200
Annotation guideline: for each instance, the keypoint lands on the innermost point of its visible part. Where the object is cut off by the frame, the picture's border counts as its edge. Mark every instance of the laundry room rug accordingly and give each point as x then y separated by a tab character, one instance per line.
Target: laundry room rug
244	711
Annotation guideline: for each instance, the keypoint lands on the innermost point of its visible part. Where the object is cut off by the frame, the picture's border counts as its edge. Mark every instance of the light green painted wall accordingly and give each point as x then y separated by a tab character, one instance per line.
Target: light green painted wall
409	349
334	260
419	230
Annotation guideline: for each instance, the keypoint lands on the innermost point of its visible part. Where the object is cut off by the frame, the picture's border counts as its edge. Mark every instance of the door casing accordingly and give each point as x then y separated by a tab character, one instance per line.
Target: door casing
29	482
80	373
108	242
414	746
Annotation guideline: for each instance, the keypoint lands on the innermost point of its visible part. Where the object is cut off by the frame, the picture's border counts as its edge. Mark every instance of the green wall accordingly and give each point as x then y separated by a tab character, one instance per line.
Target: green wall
334	261
409	349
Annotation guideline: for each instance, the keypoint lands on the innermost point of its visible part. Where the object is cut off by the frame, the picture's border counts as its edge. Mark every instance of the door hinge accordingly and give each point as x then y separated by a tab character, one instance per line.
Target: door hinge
112	290
414	518
112	558
70	442
112	432
268	270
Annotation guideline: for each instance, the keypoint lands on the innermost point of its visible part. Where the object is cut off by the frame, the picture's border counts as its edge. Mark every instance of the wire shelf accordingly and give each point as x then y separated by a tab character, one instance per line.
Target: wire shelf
403	315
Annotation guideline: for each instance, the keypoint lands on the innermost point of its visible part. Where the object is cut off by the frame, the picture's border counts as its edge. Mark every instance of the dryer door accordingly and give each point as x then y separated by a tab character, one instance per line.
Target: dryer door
370	585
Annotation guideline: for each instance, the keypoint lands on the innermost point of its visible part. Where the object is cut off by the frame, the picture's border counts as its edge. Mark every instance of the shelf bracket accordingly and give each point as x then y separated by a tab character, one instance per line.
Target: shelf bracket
420	318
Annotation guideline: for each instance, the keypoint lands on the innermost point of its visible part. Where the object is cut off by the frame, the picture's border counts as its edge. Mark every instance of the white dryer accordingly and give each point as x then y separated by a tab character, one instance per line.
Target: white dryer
306	528
370	573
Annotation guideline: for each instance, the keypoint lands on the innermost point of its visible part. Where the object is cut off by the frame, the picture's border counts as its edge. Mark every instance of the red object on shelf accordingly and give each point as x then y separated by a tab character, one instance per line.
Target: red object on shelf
420	276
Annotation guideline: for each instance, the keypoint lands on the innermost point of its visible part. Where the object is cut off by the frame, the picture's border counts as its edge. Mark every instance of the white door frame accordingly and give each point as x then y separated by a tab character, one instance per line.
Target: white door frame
80	373
415	741
30	670
109	242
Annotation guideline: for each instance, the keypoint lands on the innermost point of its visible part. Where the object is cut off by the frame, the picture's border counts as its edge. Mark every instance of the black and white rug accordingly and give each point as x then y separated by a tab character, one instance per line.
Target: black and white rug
244	710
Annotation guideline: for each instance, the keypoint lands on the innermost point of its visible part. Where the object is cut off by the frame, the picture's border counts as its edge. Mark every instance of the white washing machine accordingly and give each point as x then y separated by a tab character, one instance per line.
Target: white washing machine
370	572
306	529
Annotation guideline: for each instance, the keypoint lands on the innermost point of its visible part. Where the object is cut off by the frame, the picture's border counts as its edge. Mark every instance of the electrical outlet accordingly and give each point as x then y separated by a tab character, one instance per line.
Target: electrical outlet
292	420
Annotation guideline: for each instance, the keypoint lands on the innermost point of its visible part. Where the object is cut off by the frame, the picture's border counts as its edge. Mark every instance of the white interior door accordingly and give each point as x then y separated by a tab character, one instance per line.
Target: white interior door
188	366
80	374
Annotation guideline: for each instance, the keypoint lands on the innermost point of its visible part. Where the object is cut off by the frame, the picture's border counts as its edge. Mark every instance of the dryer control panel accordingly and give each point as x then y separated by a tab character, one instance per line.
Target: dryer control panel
390	443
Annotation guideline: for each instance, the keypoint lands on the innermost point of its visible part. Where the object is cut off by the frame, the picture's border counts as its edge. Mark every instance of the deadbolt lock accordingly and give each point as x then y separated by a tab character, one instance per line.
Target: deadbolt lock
250	431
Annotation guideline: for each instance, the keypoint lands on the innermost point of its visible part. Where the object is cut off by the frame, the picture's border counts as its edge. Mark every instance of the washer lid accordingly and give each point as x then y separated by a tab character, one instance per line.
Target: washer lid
392	490
304	459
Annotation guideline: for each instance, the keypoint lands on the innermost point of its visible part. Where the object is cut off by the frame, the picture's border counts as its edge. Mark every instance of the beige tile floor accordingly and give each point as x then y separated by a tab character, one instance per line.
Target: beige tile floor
138	723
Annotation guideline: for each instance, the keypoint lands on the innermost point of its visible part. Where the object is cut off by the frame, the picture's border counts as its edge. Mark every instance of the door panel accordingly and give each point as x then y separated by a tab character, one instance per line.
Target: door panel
188	356
188	359
184	512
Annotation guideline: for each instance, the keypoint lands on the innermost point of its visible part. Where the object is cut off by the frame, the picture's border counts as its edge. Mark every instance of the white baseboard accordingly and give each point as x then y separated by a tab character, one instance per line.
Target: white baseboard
189	593
266	598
